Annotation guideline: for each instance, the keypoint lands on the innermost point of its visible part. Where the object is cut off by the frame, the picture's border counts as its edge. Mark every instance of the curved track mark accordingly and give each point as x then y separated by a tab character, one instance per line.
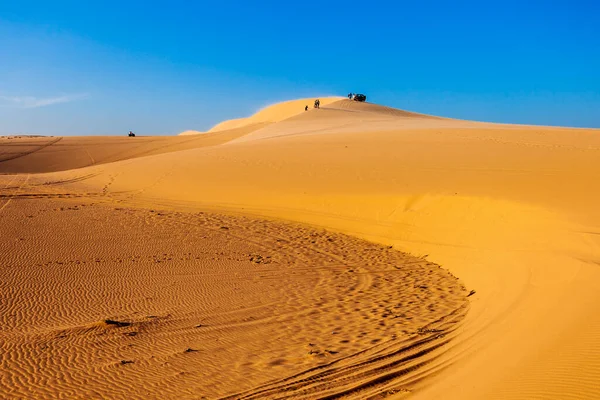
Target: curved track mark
14	157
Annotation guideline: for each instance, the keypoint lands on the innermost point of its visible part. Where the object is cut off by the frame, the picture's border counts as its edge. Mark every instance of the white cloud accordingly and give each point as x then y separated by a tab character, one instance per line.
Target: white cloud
34	102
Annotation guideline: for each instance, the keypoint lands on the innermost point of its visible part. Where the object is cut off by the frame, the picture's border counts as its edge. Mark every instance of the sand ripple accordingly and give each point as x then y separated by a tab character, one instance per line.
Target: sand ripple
99	301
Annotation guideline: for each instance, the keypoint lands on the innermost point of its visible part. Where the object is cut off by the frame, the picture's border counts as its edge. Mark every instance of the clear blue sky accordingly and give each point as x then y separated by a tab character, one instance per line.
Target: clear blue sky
105	67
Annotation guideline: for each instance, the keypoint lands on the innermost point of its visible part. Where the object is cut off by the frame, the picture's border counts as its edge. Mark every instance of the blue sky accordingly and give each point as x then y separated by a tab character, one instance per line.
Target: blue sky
106	67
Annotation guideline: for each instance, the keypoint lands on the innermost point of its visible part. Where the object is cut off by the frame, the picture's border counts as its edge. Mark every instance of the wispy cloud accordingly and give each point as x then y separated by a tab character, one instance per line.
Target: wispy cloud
34	102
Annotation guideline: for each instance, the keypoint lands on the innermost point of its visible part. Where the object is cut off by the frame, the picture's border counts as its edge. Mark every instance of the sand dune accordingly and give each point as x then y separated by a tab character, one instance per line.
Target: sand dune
509	210
190	132
349	116
49	154
229	124
274	113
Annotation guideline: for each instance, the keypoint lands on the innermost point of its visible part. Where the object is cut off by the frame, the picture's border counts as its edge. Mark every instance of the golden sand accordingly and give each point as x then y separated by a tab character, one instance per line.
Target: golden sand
311	309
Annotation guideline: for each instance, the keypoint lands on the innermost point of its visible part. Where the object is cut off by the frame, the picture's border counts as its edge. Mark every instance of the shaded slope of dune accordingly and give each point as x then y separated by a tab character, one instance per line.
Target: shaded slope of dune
48	154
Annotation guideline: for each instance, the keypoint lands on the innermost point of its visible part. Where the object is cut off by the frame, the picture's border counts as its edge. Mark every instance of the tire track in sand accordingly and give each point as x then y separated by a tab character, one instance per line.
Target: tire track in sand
25	179
35	150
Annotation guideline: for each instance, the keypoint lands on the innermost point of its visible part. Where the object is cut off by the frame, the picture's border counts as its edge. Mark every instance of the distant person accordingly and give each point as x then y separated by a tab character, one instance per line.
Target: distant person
349	96
305	108
317	103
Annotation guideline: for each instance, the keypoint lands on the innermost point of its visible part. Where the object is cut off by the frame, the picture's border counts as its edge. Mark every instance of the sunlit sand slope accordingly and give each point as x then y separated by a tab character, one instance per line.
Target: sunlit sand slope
274	113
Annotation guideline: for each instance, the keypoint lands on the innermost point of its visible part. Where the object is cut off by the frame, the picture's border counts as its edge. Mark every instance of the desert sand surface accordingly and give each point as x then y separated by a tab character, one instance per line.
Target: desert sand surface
23	154
259	265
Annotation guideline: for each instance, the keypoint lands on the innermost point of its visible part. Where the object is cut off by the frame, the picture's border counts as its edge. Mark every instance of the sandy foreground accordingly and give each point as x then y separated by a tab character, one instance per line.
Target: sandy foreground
298	254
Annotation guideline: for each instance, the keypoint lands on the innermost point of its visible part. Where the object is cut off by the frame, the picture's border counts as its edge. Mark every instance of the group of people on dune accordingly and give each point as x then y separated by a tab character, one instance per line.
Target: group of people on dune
317	105
351	96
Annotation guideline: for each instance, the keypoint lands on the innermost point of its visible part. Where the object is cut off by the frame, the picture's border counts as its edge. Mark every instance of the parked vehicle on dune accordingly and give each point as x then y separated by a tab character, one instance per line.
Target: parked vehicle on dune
359	97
